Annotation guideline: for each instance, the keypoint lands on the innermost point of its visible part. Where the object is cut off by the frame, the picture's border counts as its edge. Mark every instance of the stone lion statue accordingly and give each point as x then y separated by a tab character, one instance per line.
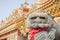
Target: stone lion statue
41	25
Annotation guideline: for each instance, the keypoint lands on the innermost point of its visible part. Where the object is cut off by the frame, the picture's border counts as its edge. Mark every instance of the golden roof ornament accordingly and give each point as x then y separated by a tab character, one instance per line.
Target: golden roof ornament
25	7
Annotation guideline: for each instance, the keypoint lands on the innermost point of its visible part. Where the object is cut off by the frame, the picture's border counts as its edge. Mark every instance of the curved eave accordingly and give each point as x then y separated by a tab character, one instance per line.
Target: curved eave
8	29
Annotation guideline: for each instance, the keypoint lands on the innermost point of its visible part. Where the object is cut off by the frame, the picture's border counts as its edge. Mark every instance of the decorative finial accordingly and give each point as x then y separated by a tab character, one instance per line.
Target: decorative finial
26	1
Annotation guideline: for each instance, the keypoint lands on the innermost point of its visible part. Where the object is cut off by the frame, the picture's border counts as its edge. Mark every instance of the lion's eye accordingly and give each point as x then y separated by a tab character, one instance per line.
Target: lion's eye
42	17
33	17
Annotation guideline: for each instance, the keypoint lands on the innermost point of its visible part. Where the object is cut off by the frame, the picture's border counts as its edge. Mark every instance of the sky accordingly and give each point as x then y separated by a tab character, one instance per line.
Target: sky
7	6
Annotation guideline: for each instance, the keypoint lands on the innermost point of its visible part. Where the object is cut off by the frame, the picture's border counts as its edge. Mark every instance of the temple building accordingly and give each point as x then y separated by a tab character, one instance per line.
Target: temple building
14	26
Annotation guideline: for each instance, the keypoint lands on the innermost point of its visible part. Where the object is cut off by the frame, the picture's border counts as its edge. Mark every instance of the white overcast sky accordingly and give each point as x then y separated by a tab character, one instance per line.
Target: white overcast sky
7	6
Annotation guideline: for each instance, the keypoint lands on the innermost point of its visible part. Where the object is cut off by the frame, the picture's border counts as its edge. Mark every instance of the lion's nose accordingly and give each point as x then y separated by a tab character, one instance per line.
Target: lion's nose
38	20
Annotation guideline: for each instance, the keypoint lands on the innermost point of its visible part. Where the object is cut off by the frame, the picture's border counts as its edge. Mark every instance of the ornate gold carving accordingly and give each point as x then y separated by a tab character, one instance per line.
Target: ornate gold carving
54	9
